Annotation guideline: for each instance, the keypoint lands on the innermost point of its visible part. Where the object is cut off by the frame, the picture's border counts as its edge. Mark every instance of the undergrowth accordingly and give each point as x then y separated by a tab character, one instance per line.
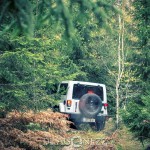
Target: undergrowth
51	130
31	130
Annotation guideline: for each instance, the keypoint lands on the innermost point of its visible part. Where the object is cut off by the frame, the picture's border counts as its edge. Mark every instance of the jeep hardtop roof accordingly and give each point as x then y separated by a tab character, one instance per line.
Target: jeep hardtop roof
85	83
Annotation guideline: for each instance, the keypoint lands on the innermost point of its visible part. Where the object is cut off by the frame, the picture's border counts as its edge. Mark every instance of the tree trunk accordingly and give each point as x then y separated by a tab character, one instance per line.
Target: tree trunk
119	72
120	60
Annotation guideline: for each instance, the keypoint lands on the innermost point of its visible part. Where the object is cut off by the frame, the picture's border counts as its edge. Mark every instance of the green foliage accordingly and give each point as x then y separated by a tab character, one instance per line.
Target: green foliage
22	16
142	55
16	16
33	126
29	70
137	117
137	114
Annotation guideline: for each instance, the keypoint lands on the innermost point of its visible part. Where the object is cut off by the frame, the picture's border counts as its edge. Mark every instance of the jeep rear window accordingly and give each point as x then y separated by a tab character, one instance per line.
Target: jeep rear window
79	90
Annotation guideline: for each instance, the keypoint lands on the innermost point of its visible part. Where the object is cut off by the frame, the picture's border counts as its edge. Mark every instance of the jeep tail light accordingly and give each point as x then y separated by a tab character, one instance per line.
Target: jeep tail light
69	102
105	105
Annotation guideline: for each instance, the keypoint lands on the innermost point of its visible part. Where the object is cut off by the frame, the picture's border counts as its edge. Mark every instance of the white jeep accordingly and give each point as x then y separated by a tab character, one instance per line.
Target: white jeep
85	102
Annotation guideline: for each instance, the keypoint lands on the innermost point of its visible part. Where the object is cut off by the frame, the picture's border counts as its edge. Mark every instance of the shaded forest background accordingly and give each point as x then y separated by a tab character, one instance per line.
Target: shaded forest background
45	42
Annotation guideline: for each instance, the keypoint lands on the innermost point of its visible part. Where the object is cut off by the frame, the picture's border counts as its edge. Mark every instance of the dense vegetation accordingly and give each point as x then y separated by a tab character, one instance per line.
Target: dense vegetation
45	42
50	130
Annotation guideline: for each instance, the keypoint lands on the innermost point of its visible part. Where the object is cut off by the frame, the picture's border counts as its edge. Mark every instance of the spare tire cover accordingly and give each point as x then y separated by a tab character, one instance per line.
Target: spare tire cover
90	105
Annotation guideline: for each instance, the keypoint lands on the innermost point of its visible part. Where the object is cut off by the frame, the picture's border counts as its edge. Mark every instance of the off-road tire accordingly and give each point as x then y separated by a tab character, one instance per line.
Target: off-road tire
100	123
90	105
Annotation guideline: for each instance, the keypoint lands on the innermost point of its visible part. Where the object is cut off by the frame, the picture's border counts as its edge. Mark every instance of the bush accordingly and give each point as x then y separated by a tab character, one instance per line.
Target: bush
32	130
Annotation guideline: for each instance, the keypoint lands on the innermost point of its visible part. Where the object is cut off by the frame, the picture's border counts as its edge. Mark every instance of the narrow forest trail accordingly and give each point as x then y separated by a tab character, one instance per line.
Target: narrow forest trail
108	139
47	130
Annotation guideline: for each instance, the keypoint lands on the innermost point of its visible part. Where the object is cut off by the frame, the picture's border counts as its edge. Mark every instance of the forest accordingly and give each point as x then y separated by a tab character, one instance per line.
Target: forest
44	42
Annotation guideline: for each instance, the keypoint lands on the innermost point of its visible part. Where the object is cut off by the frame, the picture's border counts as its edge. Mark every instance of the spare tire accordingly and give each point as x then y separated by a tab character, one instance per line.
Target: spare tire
90	105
